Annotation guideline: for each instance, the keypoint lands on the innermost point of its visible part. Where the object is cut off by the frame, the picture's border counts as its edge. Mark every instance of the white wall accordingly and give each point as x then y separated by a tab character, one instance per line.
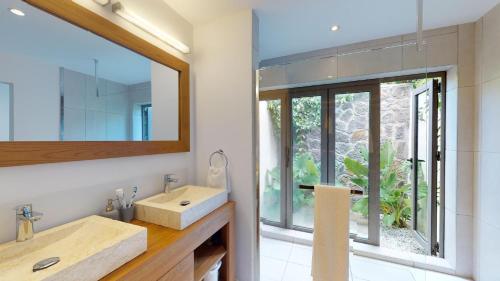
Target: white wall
487	148
224	113
5	110
459	155
36	116
67	191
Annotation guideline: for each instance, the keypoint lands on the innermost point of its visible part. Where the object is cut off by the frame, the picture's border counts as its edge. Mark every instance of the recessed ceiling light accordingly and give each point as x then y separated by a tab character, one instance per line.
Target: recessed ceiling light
335	28
17	12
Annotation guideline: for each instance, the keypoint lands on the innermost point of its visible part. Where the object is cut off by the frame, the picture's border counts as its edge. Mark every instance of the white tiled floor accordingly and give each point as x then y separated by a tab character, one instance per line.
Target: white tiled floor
286	261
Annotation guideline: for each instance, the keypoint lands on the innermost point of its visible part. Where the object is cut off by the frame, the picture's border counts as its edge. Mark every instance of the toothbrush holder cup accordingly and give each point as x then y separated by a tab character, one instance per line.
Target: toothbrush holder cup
127	214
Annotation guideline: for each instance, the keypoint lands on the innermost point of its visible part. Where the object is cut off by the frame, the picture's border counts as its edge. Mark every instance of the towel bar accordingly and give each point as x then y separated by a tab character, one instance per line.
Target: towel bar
221	153
311	187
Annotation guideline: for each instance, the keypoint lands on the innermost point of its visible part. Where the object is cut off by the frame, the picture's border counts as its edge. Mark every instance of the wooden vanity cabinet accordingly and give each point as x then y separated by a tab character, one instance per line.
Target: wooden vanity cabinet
183	271
183	255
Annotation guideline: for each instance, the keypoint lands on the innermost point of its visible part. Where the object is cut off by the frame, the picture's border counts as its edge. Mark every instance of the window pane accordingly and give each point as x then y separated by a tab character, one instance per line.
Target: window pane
423	147
351	154
306	156
270	159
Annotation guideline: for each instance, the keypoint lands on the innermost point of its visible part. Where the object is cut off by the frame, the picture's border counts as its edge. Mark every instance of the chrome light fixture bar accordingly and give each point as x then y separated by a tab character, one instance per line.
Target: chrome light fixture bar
120	10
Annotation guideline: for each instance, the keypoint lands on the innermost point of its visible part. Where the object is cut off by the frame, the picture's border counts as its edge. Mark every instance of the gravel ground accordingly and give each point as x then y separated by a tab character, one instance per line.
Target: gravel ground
400	239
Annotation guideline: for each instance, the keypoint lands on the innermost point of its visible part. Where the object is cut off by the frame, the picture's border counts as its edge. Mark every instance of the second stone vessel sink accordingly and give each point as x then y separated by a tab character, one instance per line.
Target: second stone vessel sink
181	207
88	249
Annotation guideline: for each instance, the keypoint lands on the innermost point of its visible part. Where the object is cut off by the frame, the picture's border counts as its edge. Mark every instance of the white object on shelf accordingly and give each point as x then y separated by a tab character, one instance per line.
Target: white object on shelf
213	274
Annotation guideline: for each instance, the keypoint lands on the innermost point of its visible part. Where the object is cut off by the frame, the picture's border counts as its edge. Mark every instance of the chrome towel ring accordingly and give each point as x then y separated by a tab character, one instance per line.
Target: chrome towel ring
221	153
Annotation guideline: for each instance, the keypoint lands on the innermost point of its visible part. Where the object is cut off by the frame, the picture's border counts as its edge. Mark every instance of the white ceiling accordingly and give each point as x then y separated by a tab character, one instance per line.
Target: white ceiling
294	26
44	37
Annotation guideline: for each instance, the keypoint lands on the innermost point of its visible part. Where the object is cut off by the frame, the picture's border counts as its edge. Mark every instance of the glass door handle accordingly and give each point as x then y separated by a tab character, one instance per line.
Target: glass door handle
306	187
311	187
411	160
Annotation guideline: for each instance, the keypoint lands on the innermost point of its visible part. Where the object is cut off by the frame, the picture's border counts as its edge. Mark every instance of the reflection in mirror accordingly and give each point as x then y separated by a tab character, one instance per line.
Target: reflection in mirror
5	112
64	83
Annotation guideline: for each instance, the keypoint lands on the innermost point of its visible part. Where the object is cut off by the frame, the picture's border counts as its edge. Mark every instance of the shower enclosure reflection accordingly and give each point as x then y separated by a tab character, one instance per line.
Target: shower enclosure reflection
5	112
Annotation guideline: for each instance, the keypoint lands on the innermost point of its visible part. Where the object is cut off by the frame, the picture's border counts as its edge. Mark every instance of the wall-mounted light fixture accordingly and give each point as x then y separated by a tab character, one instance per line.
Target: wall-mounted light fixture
120	10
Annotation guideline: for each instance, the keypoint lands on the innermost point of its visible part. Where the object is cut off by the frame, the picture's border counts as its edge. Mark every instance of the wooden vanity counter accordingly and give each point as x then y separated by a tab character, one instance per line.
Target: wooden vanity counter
171	253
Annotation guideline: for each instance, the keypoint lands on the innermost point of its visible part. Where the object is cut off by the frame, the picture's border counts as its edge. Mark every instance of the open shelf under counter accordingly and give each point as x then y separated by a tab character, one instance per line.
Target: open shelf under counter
205	257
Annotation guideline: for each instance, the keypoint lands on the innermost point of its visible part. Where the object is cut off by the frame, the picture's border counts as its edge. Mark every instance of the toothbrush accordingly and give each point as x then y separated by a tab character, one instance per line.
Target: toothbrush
119	196
134	193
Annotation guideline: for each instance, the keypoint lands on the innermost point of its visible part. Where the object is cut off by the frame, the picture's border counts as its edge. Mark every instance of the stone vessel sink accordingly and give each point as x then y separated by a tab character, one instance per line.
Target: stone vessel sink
167	209
88	249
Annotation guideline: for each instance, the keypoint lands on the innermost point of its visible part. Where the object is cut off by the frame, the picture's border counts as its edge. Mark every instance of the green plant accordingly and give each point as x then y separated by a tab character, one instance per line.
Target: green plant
305	168
272	194
305	171
274	108
395	204
343	99
306	116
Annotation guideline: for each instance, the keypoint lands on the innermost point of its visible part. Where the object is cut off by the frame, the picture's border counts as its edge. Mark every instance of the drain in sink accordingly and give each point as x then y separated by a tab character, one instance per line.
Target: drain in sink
185	203
46	263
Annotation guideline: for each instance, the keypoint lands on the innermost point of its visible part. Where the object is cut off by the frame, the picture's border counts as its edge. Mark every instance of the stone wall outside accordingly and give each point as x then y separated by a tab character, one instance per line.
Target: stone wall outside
352	127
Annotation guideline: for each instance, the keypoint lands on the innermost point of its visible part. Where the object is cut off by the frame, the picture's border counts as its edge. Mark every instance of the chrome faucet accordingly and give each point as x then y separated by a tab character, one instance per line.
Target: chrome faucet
24	222
167	180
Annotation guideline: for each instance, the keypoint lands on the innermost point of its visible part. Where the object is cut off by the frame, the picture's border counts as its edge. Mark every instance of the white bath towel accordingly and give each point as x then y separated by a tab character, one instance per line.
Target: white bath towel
218	177
331	234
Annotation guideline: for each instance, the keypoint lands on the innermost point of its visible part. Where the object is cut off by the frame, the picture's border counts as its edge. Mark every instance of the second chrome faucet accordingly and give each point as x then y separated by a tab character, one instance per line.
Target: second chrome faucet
25	216
168	179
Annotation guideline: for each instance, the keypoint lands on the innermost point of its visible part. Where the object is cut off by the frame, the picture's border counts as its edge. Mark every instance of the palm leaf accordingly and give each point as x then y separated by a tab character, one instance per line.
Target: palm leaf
355	167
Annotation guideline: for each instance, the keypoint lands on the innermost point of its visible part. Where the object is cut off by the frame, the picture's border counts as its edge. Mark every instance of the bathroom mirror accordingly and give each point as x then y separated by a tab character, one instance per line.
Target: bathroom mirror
71	78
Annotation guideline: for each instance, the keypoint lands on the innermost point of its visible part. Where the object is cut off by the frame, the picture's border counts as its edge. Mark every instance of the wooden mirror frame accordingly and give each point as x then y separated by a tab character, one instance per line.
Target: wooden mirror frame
18	153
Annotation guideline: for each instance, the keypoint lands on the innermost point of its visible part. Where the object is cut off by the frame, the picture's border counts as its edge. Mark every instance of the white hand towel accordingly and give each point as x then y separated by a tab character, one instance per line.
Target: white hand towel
218	177
331	234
